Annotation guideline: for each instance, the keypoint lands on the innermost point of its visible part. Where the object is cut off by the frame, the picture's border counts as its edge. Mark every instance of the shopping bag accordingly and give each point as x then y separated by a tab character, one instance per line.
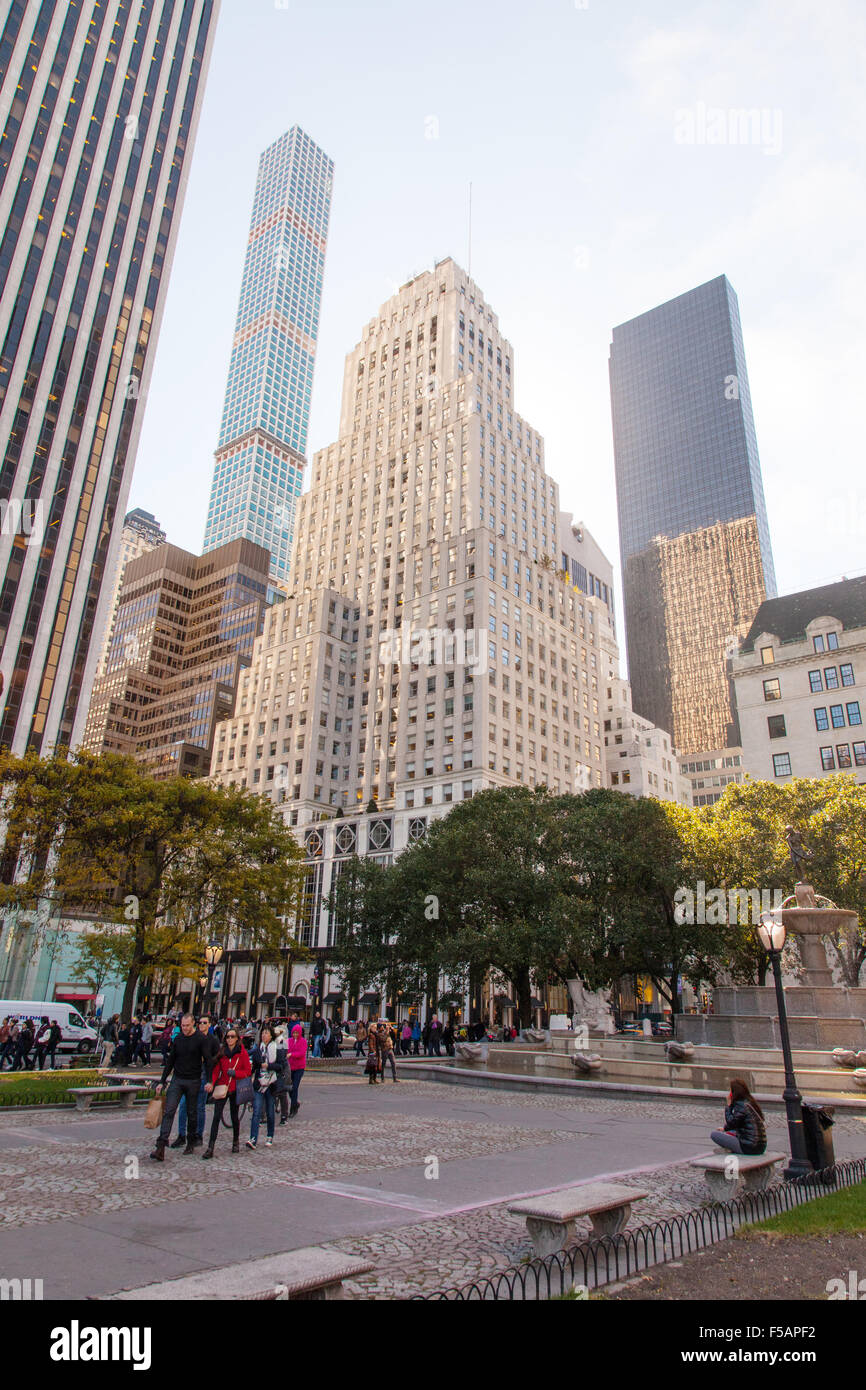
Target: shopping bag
154	1112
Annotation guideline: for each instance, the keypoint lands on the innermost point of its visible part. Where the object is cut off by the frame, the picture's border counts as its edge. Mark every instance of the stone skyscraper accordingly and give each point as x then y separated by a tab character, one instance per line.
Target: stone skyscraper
694	539
261	455
100	105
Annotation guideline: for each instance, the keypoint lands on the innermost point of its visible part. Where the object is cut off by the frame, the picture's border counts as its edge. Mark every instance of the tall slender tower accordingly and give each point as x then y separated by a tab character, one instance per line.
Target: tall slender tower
100	102
694	539
263	439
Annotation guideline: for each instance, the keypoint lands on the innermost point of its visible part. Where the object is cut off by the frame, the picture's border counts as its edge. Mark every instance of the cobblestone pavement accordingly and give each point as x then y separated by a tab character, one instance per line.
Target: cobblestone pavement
55	1178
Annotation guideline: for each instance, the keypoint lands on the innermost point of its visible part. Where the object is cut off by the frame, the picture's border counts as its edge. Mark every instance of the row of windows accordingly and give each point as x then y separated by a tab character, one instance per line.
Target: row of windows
830	760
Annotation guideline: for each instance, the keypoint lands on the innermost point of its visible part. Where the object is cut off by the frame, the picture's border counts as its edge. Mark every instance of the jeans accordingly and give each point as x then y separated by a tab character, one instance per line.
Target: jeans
416	1047
263	1100
389	1057
726	1141
182	1124
435	1049
297	1077
359	1047
7	1053
317	1045
218	1108
178	1086
22	1059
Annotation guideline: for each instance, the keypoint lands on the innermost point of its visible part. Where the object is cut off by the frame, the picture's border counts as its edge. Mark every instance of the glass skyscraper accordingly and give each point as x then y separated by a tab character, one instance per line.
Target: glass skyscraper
260	458
99	103
694	538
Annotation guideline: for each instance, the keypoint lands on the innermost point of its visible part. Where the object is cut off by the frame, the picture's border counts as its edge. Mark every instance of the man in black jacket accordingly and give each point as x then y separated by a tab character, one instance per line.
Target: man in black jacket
185	1057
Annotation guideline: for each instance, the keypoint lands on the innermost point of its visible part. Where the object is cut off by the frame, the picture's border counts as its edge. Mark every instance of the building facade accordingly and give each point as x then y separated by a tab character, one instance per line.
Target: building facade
800	683
707	775
261	455
101	104
433	643
640	758
694	538
184	631
141	532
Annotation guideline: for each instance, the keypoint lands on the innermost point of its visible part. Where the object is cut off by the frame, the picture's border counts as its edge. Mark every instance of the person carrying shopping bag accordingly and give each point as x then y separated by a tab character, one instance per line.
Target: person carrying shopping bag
264	1063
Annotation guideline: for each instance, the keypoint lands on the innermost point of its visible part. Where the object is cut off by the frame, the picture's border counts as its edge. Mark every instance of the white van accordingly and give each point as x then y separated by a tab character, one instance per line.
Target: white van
77	1035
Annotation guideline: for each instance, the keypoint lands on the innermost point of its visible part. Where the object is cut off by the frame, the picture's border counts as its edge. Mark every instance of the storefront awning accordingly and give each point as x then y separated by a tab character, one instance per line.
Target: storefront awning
296	1001
73	995
267	997
369	998
334	998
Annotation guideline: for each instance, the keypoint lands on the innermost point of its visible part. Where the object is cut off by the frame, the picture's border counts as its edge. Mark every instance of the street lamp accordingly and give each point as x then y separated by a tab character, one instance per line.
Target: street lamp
771	934
213	954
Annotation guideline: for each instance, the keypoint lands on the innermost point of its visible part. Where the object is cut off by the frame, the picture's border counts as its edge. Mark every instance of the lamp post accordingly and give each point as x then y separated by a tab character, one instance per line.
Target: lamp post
771	934
213	954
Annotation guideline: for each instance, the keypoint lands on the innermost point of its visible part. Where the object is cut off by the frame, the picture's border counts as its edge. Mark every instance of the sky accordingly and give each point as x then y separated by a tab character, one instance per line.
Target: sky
604	182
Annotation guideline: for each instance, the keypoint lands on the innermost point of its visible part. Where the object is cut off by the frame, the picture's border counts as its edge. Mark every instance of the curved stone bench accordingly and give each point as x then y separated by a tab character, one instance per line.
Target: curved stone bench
726	1174
550	1219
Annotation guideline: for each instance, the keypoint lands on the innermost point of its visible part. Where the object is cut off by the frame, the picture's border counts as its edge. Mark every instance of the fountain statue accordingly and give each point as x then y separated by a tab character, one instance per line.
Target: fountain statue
591	1007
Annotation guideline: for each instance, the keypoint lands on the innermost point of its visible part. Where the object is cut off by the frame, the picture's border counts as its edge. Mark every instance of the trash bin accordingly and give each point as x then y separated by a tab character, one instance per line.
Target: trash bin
817	1125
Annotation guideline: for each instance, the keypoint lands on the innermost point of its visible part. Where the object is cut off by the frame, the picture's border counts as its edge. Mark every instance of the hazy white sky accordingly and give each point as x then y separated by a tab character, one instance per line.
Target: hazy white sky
590	205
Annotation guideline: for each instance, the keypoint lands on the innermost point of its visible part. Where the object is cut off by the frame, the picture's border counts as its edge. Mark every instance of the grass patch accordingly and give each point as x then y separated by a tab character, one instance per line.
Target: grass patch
45	1088
842	1211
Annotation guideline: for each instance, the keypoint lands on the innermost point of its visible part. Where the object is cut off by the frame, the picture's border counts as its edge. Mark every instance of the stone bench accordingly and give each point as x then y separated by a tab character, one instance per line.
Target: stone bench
86	1095
550	1219
727	1173
311	1273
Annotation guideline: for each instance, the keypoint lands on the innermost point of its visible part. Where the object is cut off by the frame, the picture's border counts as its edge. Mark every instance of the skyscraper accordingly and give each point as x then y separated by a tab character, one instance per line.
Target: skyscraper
141	532
102	103
694	539
263	439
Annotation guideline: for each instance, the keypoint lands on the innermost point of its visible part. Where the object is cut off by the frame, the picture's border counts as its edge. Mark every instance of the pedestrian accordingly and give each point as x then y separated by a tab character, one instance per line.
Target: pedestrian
264	1063
7	1041
23	1044
282	1069
372	1066
297	1062
744	1131
416	1037
435	1037
448	1039
406	1038
194	1133
123	1051
327	1038
41	1041
232	1065
146	1041
317	1028
55	1037
185	1056
360	1037
425	1037
386	1046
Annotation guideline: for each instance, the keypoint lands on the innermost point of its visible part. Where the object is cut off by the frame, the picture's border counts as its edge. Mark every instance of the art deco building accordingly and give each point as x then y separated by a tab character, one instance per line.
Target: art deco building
261	455
434	642
99	103
184	631
694	540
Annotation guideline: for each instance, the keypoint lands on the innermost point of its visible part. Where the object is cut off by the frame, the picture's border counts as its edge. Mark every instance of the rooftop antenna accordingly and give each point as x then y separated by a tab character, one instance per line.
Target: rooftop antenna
469	266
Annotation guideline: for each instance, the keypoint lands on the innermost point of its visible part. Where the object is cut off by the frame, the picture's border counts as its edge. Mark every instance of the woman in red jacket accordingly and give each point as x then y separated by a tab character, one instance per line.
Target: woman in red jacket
297	1065
232	1063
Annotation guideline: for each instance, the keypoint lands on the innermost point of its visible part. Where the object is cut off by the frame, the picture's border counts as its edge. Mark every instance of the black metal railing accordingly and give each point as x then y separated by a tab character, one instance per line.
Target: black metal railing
612	1258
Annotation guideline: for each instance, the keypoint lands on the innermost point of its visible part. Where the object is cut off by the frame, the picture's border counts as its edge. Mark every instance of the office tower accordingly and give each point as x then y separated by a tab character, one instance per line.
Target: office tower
800	682
694	540
102	103
433	643
141	532
263	439
184	630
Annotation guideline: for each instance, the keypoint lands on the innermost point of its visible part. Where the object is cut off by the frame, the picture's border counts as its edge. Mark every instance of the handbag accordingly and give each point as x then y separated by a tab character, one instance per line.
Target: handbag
244	1090
154	1112
220	1092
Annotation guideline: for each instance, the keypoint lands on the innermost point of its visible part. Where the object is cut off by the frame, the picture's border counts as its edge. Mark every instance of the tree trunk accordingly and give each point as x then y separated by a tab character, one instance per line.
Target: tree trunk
523	990
129	993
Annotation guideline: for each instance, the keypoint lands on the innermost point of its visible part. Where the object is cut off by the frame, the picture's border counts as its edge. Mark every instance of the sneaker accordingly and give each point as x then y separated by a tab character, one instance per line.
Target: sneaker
251	1144
284	1120
269	1143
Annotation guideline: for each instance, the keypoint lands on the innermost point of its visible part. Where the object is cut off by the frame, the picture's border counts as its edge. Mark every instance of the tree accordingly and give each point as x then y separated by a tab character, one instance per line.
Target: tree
174	863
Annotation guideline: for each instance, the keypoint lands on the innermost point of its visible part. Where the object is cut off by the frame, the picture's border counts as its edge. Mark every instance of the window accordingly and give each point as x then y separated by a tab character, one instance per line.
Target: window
831	677
767	656
818	643
843	755
837	717
776	726
816	684
782	764
821	720
828	762
860	754
846	671
832	641
772	690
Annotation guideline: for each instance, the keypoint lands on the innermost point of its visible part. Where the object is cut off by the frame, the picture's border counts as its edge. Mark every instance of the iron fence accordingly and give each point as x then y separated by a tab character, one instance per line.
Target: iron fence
610	1259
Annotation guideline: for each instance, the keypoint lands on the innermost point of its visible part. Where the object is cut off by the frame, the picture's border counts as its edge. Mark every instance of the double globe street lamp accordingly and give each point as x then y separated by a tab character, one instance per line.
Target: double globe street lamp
771	934
213	955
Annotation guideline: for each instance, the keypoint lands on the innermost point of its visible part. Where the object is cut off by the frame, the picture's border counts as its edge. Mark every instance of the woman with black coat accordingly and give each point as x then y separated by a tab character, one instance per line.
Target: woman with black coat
744	1131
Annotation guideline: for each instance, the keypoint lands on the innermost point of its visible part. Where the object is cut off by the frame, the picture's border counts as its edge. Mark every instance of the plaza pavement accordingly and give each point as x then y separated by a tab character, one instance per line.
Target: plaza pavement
83	1208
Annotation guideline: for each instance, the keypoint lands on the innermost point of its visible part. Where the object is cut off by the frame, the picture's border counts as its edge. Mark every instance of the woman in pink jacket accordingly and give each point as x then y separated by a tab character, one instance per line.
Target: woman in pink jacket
297	1062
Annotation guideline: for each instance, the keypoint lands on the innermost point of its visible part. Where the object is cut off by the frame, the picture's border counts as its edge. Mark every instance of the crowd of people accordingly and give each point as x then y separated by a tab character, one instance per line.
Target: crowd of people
27	1045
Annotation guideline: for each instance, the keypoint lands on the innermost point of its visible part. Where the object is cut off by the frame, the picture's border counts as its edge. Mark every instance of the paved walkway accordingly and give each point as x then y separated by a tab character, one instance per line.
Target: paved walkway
83	1208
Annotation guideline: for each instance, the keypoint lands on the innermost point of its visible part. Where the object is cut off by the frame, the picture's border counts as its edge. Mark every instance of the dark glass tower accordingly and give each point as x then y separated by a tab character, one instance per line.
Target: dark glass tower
694	538
100	103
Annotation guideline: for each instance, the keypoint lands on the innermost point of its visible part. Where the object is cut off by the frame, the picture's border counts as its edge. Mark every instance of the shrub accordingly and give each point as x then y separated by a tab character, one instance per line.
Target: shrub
45	1088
